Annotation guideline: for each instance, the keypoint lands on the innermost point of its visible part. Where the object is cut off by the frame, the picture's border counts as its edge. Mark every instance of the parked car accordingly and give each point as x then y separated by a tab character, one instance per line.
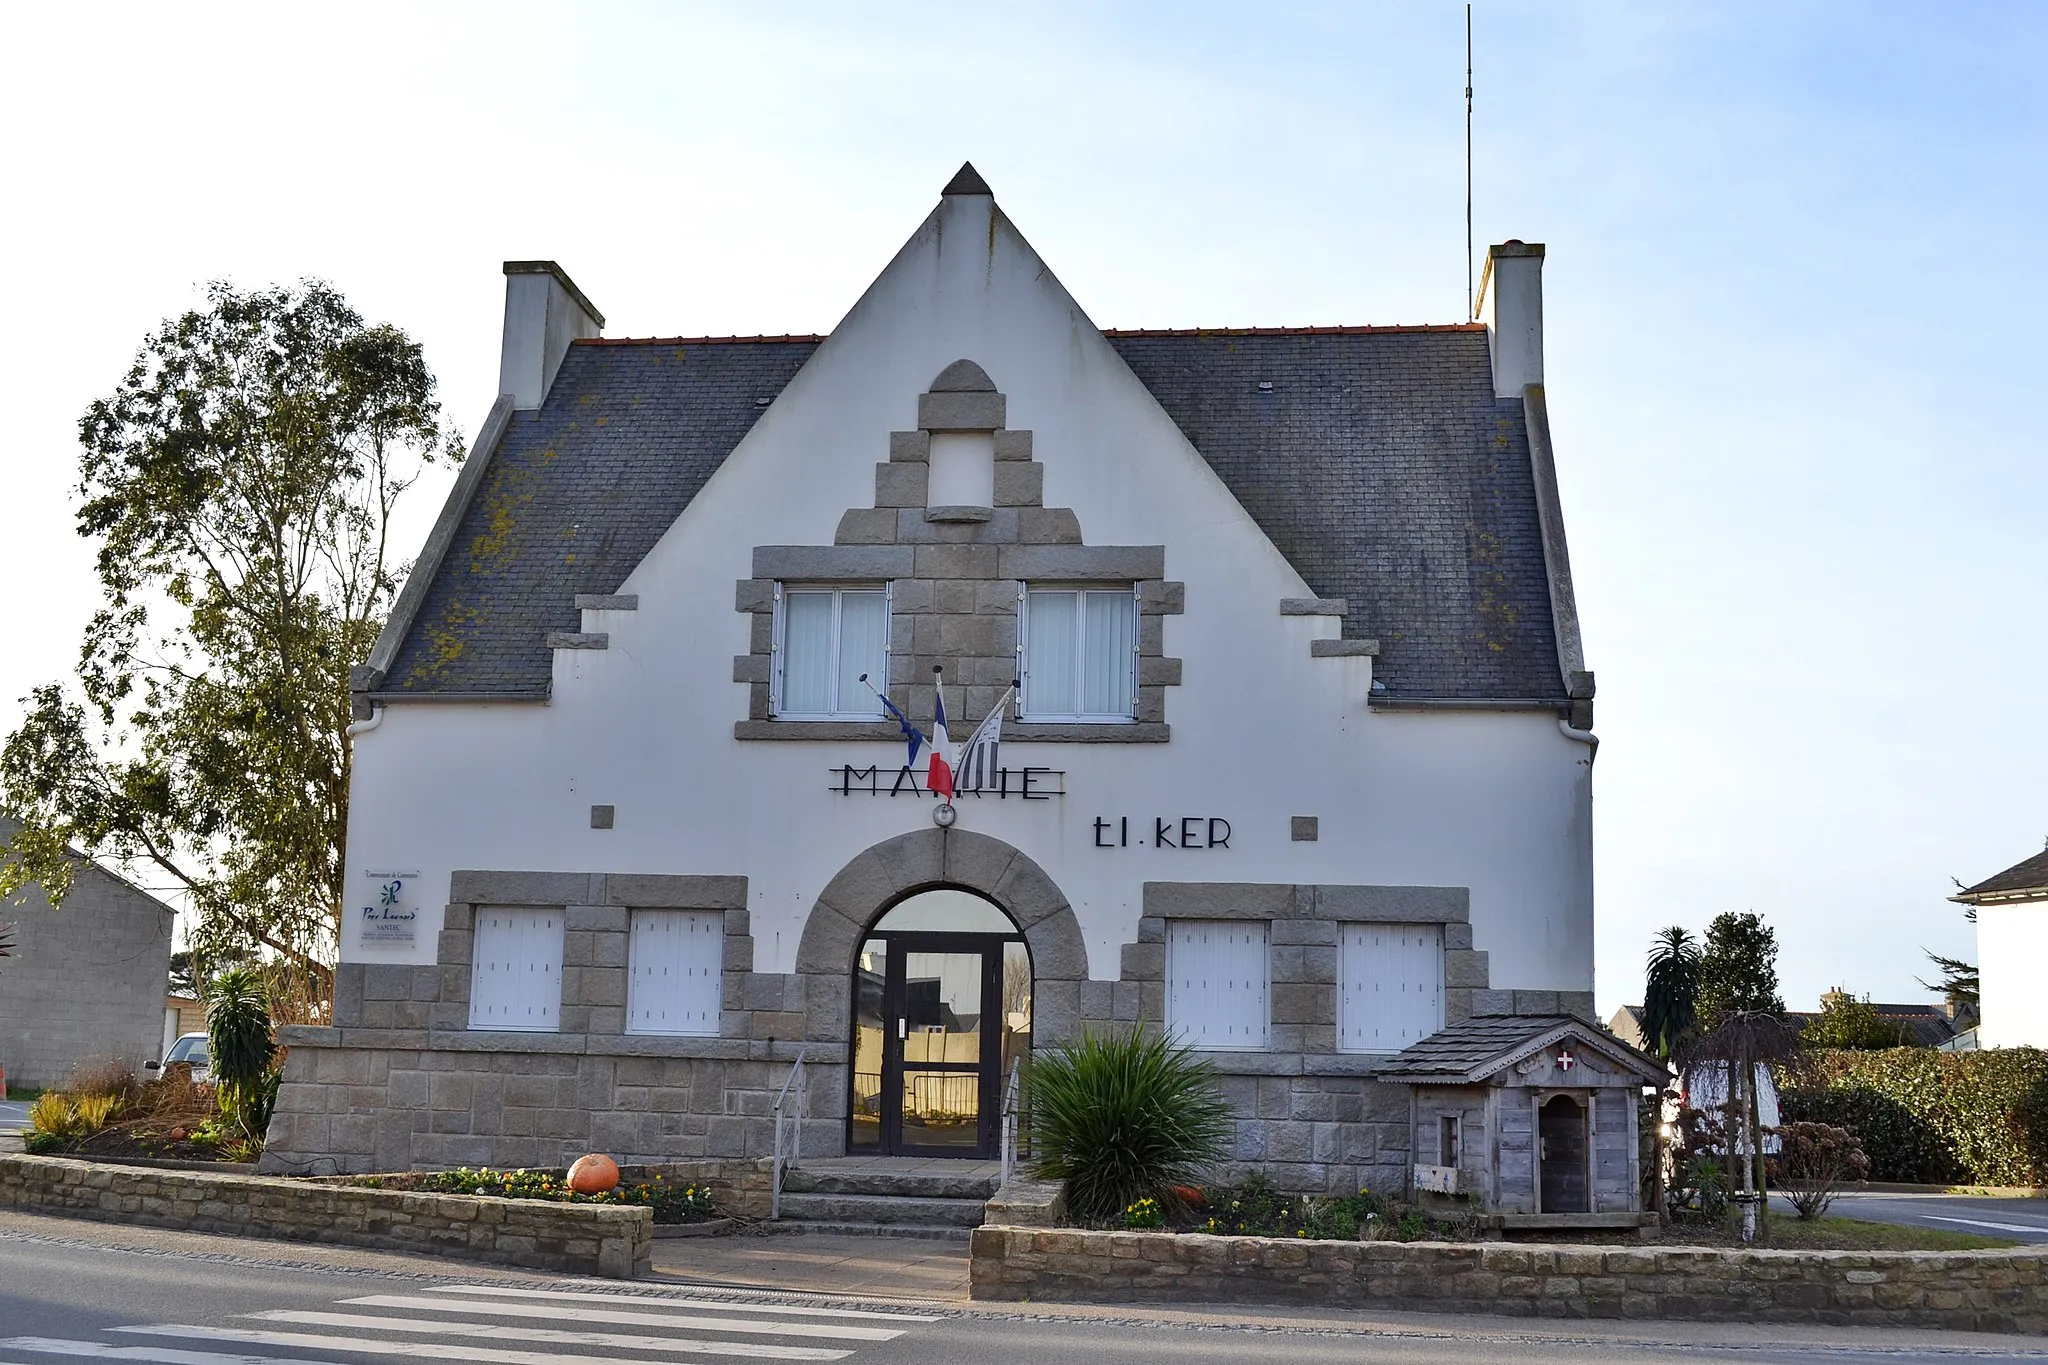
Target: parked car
190	1049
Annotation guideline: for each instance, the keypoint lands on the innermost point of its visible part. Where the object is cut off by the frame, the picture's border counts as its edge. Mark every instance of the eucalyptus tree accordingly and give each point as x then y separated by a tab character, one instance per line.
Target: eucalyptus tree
239	485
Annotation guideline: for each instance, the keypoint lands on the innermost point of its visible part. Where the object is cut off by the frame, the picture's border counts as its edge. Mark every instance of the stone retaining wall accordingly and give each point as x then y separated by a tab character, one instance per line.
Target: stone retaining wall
579	1239
1986	1291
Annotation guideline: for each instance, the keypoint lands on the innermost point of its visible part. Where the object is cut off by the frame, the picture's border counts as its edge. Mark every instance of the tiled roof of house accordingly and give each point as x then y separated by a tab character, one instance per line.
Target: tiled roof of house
1376	459
2026	880
1465	1048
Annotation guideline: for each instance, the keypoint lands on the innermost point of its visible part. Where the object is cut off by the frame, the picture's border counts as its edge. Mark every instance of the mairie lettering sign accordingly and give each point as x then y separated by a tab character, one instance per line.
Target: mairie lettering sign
1021	784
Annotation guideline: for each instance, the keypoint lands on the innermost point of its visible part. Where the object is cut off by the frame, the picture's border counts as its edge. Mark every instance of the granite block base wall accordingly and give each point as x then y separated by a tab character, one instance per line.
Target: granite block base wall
580	1239
1979	1291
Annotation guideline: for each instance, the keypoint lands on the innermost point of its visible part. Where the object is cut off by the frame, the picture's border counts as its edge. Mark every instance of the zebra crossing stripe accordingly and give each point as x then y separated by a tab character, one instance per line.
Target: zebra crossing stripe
156	1355
362	1322
555	1312
417	1350
583	1296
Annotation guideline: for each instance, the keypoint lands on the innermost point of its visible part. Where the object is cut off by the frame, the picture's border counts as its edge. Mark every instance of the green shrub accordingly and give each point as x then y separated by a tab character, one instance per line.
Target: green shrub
1932	1116
1124	1117
54	1119
239	1042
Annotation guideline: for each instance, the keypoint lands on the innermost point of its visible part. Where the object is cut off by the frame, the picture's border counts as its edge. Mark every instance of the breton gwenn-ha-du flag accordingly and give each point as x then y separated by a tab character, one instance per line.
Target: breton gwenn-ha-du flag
977	770
939	776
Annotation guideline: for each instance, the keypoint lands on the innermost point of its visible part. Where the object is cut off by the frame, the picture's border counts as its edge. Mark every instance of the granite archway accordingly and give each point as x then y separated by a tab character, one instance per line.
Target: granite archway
931	860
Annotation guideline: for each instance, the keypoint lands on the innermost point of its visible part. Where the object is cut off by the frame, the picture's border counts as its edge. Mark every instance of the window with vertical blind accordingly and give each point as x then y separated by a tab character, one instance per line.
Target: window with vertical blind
675	972
1078	654
825	638
1217	982
516	974
1390	985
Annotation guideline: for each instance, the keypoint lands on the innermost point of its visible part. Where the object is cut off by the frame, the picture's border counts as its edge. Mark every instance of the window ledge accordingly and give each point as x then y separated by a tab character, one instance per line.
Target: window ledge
842	731
950	514
1087	732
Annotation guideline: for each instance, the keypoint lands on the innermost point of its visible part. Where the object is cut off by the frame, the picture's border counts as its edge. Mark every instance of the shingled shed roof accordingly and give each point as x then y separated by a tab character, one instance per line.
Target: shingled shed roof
1473	1049
2023	881
1377	459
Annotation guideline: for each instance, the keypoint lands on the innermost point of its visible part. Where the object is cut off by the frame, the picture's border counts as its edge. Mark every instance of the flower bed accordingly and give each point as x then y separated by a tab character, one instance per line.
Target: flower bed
671	1202
1253	1208
106	1114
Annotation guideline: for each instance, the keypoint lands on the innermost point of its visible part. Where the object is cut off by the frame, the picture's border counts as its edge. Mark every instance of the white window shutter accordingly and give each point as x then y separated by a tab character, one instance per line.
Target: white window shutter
1217	978
516	972
676	972
1390	990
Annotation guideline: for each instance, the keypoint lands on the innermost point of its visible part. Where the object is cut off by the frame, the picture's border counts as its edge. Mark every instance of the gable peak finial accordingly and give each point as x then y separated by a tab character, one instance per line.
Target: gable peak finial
967	180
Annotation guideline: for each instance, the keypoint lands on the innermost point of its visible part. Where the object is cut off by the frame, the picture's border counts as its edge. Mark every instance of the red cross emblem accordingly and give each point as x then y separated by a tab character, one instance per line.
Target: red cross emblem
1565	1060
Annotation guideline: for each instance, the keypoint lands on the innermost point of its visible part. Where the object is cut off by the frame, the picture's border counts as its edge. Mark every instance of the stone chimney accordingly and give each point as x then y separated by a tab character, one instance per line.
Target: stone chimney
544	312
1511	306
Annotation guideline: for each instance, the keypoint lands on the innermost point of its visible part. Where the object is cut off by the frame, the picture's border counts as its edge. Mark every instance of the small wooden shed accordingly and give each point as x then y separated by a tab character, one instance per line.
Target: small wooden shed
1529	1118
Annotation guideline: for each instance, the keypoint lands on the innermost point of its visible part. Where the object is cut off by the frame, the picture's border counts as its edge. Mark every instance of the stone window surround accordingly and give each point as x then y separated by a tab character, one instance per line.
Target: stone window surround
954	576
1304	922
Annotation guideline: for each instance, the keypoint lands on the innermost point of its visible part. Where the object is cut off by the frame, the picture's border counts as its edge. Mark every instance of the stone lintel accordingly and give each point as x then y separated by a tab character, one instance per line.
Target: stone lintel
617	601
579	639
1313	606
1343	649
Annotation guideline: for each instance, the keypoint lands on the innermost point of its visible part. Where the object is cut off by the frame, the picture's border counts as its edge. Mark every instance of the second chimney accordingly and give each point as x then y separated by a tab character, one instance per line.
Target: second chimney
544	312
1511	306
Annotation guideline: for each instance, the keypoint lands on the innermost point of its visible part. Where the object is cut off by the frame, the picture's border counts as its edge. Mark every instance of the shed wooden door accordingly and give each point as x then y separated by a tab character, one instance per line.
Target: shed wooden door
1561	1160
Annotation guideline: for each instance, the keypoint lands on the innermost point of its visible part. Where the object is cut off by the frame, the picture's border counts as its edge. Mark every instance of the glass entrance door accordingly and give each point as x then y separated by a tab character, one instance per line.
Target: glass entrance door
932	1038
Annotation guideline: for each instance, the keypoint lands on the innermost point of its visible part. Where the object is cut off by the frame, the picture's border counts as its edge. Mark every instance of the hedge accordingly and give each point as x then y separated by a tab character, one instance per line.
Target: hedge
1932	1117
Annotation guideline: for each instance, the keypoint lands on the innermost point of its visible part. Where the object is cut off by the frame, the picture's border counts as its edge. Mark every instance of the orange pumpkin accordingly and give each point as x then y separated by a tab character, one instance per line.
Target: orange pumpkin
593	1174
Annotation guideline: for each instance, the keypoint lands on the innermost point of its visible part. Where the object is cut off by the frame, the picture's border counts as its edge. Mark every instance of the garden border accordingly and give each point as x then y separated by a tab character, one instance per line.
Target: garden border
585	1239
1981	1291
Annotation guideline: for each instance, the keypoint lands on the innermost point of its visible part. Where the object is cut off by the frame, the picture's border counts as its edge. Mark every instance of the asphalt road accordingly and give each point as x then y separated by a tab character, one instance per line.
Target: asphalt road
2022	1220
181	1301
13	1115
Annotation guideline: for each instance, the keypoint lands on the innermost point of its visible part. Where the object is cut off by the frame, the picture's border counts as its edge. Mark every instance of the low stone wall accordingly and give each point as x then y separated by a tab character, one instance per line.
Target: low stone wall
581	1239
1985	1291
742	1187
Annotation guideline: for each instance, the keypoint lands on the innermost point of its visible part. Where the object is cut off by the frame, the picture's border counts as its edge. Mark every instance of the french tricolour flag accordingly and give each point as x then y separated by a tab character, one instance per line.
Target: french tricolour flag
939	777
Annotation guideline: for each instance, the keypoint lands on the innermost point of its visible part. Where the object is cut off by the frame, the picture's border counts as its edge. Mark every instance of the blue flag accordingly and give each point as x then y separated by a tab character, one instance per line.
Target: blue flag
910	732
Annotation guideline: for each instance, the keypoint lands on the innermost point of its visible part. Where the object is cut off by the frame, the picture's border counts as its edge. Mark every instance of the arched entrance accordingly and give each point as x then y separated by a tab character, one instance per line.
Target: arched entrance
941	1012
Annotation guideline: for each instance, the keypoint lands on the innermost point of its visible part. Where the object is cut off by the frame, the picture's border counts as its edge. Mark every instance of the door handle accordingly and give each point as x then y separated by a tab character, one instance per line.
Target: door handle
902	1030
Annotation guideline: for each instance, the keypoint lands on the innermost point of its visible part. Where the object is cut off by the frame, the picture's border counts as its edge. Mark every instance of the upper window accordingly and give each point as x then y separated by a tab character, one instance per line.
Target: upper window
1390	986
1080	654
825	639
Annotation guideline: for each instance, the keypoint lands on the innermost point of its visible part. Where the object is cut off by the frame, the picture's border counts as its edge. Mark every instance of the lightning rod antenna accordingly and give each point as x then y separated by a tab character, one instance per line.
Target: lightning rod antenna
1471	303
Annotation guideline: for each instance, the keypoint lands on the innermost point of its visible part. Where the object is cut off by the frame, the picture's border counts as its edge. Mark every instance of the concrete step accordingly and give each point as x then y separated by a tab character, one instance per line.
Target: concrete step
902	1230
890	1184
879	1210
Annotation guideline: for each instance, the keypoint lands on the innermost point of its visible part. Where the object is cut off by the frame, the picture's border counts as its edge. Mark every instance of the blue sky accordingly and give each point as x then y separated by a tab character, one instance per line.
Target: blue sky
1793	301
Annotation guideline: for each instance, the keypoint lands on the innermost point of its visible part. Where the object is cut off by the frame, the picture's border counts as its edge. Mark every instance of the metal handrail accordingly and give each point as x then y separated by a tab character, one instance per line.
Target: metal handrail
1009	1159
796	1072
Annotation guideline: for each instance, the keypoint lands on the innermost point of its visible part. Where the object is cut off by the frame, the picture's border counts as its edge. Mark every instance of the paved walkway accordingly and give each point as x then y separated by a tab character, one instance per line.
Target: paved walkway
886	1267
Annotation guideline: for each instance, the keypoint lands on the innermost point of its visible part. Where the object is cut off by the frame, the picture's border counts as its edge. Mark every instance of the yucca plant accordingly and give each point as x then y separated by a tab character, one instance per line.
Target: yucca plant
1124	1117
239	1042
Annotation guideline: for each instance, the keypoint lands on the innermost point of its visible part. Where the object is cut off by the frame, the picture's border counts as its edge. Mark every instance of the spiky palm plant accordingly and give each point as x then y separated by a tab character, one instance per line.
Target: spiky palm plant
1123	1117
1670	991
239	1043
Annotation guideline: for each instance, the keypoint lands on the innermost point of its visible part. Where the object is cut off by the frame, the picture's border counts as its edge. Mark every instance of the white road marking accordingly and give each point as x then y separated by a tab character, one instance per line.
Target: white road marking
1982	1223
504	1291
362	1322
559	1313
160	1355
418	1350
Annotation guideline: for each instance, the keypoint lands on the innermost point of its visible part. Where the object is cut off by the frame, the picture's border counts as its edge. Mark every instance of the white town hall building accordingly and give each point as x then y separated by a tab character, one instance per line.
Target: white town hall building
1299	766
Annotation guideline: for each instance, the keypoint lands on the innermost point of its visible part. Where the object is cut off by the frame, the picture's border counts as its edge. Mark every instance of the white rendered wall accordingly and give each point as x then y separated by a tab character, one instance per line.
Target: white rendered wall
2012	945
1498	802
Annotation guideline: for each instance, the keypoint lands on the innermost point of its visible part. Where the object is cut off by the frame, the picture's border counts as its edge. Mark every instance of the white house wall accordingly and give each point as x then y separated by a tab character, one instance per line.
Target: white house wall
2012	942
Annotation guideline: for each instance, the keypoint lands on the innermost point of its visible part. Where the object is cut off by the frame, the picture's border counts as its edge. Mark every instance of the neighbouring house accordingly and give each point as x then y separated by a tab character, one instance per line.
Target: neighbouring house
1933	1024
1294	760
2012	949
86	981
183	1014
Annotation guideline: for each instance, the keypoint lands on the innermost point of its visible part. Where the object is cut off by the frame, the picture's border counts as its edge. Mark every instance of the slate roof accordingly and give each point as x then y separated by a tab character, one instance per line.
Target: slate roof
1919	1025
1463	1048
2011	884
1378	461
